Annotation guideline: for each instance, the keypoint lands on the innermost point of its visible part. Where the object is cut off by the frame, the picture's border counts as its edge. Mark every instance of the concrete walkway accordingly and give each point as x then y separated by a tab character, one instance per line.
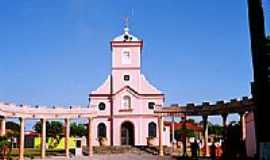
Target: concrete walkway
126	156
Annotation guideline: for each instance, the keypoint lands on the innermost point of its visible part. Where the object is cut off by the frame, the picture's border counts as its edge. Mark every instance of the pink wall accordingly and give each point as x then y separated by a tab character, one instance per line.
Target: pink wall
135	57
139	105
118	79
250	135
96	122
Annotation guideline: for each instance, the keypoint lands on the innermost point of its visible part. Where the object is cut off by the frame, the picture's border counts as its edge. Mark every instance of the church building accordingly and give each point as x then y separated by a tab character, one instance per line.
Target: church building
126	101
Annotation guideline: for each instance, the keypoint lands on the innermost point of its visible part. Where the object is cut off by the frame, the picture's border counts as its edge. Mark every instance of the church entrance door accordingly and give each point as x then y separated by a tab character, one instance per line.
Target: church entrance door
127	134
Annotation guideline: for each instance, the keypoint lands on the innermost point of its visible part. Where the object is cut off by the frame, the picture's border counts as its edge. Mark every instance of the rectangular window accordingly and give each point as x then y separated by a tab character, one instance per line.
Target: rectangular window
126	58
151	105
126	77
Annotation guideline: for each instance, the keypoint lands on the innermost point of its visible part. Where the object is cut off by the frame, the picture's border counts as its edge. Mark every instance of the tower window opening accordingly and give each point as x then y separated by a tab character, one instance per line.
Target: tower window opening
101	106
126	77
151	105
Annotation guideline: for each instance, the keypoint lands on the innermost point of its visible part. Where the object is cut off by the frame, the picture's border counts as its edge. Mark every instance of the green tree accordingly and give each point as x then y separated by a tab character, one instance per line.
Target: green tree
78	130
179	133
13	129
4	147
13	126
215	129
190	120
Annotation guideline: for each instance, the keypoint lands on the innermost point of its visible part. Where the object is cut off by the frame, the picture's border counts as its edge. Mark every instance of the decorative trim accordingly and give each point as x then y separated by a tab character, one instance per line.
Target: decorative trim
126	110
125	68
128	87
129	116
100	95
126	44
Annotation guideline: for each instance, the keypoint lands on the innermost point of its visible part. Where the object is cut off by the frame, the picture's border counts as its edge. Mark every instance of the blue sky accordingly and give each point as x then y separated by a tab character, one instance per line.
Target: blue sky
56	52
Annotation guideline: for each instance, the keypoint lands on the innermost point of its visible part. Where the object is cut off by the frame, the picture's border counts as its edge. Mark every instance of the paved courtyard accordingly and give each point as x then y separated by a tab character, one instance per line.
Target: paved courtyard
127	156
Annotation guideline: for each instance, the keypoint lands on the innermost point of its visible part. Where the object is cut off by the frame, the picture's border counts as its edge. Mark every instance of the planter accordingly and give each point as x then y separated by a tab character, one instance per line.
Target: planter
103	141
151	141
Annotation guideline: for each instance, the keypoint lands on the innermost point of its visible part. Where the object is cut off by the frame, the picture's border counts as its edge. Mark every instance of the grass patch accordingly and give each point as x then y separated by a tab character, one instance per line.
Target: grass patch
34	152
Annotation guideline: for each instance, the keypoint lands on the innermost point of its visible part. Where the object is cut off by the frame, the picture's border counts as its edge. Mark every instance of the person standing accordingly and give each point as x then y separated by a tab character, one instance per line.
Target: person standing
213	151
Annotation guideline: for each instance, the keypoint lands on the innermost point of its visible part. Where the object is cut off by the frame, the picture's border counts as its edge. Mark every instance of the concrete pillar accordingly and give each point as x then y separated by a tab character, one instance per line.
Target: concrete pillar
173	135
225	125
21	150
205	134
43	138
184	119
173	129
3	126
67	134
90	136
243	126
160	135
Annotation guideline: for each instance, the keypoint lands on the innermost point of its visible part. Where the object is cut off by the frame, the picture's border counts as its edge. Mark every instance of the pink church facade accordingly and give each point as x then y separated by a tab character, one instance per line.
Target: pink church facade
126	101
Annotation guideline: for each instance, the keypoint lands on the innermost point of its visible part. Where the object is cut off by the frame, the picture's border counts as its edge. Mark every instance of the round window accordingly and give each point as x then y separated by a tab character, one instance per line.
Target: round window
151	105
101	106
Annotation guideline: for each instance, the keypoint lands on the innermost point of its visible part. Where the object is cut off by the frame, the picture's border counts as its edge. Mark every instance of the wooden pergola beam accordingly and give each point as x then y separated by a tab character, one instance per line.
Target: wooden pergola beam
220	107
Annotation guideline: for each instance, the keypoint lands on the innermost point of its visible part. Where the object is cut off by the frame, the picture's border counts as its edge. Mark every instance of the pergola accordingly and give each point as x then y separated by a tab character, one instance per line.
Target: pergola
206	109
24	112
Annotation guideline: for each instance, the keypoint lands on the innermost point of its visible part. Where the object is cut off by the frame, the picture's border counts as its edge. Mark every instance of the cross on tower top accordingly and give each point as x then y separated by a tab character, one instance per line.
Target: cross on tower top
126	21
126	29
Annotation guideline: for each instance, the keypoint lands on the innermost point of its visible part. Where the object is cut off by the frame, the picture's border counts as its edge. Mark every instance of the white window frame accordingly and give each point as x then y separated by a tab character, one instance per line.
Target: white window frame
124	105
125	60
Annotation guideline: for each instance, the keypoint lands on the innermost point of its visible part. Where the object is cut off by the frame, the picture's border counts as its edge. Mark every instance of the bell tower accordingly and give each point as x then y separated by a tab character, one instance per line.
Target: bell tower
126	60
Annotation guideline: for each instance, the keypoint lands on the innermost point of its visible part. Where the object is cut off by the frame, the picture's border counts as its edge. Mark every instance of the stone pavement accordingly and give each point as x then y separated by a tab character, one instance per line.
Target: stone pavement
126	156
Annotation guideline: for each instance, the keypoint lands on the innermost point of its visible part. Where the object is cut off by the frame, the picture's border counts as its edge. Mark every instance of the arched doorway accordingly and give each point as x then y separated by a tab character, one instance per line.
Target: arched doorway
127	133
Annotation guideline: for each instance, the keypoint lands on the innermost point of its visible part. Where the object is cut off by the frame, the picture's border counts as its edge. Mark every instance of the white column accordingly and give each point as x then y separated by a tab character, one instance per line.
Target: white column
21	150
243	126
224	119
3	126
67	130
173	134
160	124
90	136
225	125
184	119
43	138
173	128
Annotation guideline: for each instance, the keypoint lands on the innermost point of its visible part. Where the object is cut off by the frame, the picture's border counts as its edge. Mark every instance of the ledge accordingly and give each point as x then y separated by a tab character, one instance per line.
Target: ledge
125	110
